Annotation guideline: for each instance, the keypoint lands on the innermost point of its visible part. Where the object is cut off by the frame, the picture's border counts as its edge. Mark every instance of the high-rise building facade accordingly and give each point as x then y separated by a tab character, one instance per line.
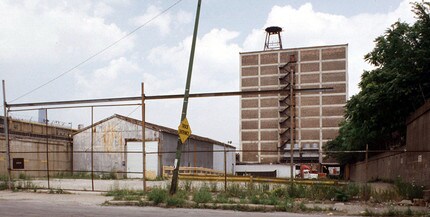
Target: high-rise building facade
266	119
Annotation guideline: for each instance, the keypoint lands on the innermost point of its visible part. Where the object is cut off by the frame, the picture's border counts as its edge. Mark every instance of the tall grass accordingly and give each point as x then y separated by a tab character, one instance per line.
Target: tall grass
202	196
283	197
157	195
409	190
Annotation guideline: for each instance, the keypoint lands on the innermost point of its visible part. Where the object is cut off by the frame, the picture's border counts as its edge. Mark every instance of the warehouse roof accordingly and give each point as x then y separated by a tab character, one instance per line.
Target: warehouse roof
155	127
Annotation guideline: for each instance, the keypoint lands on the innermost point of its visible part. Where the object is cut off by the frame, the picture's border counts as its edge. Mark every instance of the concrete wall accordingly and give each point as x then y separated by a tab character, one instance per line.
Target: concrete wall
412	166
317	114
386	166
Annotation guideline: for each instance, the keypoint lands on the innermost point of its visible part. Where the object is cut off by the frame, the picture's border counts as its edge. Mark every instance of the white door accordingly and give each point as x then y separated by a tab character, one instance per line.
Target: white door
134	160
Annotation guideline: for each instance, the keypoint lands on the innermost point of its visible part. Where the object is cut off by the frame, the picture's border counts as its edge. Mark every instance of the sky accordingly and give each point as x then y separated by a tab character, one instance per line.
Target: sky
78	44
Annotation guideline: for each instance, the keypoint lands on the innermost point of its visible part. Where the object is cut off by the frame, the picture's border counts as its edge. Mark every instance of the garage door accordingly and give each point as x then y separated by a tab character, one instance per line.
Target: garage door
134	160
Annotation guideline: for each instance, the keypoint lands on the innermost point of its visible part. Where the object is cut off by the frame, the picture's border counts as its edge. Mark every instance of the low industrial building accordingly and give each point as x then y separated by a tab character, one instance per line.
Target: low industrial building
28	148
117	148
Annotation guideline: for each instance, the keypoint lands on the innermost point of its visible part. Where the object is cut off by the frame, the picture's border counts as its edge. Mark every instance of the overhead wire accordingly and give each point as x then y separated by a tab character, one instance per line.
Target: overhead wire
99	52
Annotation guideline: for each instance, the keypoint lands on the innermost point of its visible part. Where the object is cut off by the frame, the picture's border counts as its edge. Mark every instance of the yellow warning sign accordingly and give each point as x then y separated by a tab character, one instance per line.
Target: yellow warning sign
184	130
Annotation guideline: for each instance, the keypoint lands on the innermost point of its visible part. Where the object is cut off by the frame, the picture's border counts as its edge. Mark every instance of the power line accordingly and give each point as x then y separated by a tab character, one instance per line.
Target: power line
99	52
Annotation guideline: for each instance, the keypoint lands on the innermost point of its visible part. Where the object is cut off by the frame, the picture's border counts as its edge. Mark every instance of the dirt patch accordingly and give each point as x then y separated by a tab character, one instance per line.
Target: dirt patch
83	198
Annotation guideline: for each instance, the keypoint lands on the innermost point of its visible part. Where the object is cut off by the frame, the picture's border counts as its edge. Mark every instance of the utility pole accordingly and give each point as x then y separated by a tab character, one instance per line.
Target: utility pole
177	162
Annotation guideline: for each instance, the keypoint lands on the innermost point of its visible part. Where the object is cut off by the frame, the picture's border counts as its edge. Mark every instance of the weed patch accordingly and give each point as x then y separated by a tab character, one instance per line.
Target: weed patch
23	185
408	190
177	200
202	196
3	186
187	185
57	191
234	190
157	195
126	194
223	198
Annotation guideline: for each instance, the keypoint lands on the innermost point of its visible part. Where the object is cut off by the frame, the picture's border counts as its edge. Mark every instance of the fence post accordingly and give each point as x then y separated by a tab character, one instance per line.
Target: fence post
225	169
6	132
47	146
92	148
143	139
367	166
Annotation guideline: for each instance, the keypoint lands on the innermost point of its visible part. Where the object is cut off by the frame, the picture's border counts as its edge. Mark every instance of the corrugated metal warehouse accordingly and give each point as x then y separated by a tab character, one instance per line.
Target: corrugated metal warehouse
119	134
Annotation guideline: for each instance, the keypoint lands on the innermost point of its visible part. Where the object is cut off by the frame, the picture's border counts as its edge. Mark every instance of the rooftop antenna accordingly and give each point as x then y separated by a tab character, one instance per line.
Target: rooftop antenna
273	38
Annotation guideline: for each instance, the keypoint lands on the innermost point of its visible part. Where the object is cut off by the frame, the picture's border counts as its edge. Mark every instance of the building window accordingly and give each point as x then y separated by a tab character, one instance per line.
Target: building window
18	163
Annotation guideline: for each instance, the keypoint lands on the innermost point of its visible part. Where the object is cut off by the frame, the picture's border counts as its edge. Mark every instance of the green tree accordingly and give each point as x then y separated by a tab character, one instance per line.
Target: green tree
399	84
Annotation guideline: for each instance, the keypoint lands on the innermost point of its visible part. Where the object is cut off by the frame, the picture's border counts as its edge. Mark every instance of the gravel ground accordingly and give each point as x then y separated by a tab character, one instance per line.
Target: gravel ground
84	186
93	200
14	204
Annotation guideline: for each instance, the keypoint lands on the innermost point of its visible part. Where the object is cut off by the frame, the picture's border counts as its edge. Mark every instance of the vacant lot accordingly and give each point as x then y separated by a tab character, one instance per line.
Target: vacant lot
88	204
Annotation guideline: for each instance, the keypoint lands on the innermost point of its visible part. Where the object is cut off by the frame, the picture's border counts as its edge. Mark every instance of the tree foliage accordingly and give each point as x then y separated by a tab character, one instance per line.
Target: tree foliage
399	84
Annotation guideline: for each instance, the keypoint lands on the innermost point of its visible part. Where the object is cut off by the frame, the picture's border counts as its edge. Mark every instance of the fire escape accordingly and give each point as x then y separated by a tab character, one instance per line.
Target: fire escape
286	105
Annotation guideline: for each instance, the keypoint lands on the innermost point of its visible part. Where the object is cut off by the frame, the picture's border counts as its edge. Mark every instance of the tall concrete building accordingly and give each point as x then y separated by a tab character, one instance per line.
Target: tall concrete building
266	119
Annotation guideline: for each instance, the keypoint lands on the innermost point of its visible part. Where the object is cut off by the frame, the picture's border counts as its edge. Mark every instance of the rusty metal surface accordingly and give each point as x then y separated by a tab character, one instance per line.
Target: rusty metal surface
109	136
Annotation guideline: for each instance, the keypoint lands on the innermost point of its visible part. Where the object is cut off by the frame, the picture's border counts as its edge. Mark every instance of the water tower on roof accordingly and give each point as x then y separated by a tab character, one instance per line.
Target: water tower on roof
273	38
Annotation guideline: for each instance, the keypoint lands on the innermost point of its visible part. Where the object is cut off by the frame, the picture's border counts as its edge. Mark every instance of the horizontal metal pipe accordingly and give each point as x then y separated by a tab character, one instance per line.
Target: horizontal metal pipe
83	106
76	171
158	97
133	152
212	151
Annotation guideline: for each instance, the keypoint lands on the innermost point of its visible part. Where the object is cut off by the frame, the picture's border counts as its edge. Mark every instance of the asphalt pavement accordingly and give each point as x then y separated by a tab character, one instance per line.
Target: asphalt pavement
82	205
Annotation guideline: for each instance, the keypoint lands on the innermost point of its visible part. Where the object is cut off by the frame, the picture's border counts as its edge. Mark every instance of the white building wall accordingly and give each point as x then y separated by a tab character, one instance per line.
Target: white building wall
134	161
218	158
282	170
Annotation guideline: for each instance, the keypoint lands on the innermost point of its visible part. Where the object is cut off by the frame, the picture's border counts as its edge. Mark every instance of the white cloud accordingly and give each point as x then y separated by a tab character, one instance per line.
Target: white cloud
101	9
164	21
216	61
184	17
113	78
34	33
216	68
41	40
306	27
